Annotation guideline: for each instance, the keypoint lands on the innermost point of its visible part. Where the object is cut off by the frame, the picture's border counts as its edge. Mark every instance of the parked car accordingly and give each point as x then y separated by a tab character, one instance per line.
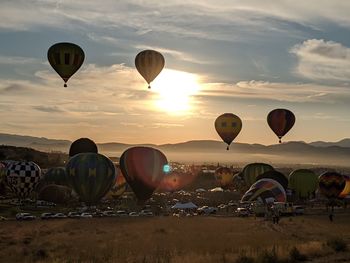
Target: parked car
242	211
98	214
24	216
109	213
146	212
74	215
121	213
59	216
134	214
47	215
86	215
298	210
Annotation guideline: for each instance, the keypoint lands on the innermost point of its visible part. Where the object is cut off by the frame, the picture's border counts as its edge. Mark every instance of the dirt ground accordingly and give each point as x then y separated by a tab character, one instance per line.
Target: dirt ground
170	239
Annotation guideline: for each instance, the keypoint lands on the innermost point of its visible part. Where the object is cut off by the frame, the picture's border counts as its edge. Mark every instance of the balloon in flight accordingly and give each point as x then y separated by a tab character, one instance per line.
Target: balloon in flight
149	63
280	122
228	126
66	59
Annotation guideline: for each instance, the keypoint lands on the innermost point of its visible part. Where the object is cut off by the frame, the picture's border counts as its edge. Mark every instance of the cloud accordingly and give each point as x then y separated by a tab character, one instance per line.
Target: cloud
7	60
322	60
49	109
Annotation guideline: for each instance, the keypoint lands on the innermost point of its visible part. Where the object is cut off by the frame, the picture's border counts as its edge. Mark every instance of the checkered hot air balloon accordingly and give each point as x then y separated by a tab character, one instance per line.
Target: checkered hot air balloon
23	177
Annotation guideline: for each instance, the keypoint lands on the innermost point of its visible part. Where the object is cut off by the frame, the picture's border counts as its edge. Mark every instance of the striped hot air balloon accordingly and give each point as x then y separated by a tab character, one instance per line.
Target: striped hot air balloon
264	190
66	59
331	184
280	122
149	63
253	170
228	126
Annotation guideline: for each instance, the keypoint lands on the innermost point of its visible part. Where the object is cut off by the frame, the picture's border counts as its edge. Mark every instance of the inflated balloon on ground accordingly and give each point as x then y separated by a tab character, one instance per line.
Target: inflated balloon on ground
303	182
82	145
251	171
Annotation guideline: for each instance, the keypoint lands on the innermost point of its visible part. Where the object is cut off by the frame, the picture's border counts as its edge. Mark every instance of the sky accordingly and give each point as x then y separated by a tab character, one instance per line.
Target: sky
245	57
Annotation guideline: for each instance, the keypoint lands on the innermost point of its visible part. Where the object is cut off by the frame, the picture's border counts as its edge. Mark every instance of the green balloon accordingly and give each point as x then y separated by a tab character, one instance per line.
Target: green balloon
303	182
56	175
253	170
91	175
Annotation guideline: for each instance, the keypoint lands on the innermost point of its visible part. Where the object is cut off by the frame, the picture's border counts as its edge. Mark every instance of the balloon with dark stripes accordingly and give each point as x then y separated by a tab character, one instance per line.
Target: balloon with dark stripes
149	63
66	59
331	184
281	121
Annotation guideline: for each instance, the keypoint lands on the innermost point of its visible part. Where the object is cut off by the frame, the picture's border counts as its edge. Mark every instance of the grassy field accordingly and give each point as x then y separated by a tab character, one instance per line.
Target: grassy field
170	239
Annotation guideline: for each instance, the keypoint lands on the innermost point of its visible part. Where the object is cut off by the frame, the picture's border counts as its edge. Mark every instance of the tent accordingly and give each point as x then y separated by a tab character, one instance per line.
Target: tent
188	205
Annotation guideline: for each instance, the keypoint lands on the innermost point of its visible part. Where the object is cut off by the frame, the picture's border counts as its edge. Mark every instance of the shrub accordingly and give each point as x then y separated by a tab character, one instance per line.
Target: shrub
295	255
268	257
244	259
337	244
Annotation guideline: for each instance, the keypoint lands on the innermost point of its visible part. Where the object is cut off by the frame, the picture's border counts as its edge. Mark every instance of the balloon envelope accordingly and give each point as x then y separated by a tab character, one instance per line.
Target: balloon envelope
346	190
56	175
143	170
82	145
224	177
275	175
149	63
228	126
264	190
120	185
57	194
280	121
253	170
23	177
331	184
178	179
91	175
66	59
303	182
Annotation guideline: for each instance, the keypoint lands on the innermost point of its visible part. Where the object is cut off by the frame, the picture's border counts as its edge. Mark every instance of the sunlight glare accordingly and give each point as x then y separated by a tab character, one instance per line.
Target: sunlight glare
174	90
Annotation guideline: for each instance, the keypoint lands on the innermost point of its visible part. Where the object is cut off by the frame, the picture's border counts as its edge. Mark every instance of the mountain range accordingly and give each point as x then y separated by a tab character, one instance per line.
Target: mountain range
315	153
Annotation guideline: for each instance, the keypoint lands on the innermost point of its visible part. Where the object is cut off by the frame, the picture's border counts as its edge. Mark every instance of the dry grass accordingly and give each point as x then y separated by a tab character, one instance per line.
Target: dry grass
167	240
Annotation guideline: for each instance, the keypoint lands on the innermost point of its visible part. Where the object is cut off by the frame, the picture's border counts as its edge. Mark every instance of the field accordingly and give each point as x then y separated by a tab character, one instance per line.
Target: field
172	239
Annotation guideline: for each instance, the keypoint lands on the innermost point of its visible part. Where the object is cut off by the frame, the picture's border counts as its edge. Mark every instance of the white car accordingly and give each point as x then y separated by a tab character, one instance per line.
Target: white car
47	216
121	213
25	216
86	215
73	215
60	216
134	214
146	212
109	213
298	210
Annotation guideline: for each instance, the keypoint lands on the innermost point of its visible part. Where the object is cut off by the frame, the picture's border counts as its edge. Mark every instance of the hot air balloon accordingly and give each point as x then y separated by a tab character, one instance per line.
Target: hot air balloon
275	175
303	182
228	127
143	170
331	184
238	183
55	175
66	59
23	177
346	190
265	190
280	122
82	145
120	185
224	177
91	175
149	63
251	171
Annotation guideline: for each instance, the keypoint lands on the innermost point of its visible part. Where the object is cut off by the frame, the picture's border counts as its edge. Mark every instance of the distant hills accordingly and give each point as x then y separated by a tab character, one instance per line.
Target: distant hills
330	153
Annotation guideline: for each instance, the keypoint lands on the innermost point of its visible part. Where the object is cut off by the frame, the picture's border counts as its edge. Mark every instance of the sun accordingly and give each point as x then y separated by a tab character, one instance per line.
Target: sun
174	90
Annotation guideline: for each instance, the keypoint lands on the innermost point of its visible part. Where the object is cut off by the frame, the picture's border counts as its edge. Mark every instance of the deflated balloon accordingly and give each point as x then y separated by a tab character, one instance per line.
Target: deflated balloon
91	175
265	190
66	59
23	177
331	184
253	170
228	127
82	145
275	175
57	194
143	168
303	182
280	122
149	63
224	177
